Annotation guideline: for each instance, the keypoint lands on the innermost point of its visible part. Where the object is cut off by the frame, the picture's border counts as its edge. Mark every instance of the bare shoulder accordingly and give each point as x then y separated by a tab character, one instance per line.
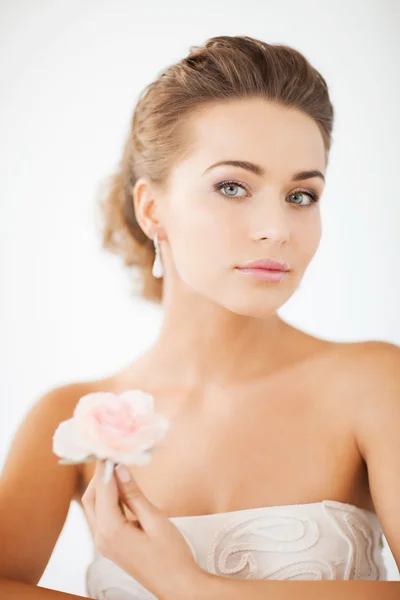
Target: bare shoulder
65	397
34	487
58	403
37	426
372	357
373	371
375	349
367	375
42	419
367	363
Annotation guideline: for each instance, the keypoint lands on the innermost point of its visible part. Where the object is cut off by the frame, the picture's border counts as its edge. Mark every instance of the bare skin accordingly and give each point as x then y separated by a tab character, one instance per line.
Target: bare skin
254	402
262	413
252	445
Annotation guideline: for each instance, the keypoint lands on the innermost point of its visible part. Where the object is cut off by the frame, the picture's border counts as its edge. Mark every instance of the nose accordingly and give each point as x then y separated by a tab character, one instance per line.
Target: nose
271	222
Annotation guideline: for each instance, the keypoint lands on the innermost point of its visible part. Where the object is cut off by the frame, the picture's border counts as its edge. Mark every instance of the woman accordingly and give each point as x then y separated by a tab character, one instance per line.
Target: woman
276	466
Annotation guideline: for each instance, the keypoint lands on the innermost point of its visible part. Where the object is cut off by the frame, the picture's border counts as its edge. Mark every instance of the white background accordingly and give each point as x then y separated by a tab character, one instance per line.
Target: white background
70	75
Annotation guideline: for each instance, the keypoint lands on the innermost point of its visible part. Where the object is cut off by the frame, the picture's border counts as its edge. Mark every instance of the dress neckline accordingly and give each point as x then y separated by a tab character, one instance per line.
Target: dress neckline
242	511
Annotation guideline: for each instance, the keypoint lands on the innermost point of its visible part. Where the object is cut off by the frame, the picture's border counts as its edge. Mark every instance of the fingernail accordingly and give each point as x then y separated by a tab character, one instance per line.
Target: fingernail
123	473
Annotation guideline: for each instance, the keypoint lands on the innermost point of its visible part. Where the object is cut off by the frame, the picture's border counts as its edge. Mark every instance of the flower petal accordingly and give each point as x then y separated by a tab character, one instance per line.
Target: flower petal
67	443
119	427
91	400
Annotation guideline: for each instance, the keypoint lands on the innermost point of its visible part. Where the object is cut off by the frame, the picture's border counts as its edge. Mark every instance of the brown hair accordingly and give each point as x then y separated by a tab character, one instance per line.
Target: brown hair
225	68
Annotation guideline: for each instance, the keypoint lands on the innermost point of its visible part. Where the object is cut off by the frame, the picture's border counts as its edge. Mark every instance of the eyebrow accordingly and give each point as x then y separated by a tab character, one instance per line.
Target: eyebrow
258	170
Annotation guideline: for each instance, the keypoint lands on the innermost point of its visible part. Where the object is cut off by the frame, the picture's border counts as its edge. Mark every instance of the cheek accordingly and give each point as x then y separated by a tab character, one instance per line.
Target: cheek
308	239
201	240
202	255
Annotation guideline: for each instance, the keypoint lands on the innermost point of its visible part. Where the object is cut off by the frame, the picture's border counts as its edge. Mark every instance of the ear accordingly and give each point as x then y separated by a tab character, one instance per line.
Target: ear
146	206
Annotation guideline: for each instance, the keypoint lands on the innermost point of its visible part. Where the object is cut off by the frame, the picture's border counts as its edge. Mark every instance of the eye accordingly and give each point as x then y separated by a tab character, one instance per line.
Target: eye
231	184
313	197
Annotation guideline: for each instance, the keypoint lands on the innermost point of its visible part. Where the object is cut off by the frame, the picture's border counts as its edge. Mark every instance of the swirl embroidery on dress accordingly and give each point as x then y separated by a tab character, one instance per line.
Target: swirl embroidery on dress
267	534
317	569
357	532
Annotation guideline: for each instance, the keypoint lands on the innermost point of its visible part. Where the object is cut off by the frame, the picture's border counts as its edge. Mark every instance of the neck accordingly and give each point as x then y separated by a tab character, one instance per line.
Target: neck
202	343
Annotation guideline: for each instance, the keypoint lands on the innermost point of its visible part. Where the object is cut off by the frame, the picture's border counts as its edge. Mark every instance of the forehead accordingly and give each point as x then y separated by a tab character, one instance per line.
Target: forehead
254	129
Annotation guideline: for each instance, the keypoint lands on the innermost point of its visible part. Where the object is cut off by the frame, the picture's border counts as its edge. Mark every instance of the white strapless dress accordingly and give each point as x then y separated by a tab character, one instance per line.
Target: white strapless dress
319	540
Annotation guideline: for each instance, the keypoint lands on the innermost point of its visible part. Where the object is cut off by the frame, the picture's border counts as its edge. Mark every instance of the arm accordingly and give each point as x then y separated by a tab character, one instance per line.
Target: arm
35	495
16	590
378	435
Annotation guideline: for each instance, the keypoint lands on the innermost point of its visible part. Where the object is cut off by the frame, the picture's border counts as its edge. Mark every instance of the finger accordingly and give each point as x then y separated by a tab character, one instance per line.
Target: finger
147	514
88	502
96	478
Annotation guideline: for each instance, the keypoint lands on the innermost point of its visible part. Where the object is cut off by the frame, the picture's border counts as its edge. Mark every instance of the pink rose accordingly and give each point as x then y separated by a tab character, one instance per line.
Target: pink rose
122	428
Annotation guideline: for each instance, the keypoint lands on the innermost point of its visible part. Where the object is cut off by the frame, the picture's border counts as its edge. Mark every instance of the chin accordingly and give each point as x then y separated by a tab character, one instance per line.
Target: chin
255	309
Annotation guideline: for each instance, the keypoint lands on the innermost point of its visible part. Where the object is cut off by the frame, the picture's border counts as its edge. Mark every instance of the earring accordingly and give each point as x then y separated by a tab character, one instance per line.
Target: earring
157	270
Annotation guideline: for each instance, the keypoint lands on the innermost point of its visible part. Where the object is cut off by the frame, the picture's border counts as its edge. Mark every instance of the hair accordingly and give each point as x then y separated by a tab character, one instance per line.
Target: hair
225	68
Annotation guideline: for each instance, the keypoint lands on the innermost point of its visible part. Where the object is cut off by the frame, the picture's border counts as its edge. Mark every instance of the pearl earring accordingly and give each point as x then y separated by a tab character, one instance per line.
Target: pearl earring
157	270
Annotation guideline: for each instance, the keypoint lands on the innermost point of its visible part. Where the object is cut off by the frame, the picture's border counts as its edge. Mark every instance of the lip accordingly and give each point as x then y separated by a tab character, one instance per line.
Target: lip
265	274
266	264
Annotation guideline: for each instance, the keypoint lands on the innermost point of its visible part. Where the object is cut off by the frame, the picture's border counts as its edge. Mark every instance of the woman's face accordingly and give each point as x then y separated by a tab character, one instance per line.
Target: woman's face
211	231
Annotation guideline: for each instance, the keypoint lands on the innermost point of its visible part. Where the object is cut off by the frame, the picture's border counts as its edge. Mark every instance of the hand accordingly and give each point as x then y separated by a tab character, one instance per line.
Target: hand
149	547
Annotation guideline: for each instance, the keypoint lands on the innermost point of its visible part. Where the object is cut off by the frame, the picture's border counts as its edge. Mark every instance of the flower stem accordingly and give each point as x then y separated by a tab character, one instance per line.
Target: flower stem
108	471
